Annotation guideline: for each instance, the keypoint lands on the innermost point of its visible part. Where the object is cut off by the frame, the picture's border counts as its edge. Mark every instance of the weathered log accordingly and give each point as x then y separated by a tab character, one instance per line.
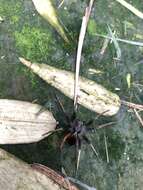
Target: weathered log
21	122
17	175
91	95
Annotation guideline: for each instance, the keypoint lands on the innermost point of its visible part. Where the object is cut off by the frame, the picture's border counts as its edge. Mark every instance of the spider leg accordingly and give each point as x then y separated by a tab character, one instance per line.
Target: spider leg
62	109
89	122
73	117
91	129
41	110
52	131
101	114
78	151
91	145
64	140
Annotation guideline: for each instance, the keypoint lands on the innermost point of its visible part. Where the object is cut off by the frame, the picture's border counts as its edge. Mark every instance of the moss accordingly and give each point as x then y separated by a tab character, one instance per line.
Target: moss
10	8
14	19
34	43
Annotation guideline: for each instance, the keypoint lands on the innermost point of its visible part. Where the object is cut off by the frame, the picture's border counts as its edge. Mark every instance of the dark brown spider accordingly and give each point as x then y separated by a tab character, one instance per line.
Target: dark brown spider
76	133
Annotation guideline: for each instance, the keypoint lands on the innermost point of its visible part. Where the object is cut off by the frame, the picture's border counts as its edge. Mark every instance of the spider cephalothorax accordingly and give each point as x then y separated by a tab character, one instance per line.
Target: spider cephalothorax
75	132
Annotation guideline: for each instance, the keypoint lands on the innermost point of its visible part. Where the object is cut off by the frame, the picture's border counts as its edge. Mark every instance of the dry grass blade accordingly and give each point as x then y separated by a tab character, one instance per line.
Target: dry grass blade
94	150
106	148
79	49
116	45
78	160
135	43
131	8
104	47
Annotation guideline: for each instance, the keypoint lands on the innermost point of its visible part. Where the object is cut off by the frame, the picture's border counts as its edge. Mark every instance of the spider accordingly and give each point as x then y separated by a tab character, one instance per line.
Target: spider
76	133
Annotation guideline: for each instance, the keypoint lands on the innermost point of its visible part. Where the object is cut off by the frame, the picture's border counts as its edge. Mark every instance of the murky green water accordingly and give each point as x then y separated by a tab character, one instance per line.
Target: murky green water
24	33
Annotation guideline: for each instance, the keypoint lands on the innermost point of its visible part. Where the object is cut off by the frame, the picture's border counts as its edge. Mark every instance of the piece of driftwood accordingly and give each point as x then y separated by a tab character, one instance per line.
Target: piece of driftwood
22	122
91	95
17	175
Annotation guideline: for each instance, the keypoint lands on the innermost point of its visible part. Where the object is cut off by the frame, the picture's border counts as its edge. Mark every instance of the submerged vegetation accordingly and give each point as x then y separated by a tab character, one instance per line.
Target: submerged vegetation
24	33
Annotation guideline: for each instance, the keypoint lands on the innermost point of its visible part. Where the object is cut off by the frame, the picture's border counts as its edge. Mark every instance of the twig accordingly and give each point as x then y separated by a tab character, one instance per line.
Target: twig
139	117
79	49
132	105
135	107
131	8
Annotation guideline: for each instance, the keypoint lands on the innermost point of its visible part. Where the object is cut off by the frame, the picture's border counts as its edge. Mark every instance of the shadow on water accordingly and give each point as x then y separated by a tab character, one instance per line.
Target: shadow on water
24	33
